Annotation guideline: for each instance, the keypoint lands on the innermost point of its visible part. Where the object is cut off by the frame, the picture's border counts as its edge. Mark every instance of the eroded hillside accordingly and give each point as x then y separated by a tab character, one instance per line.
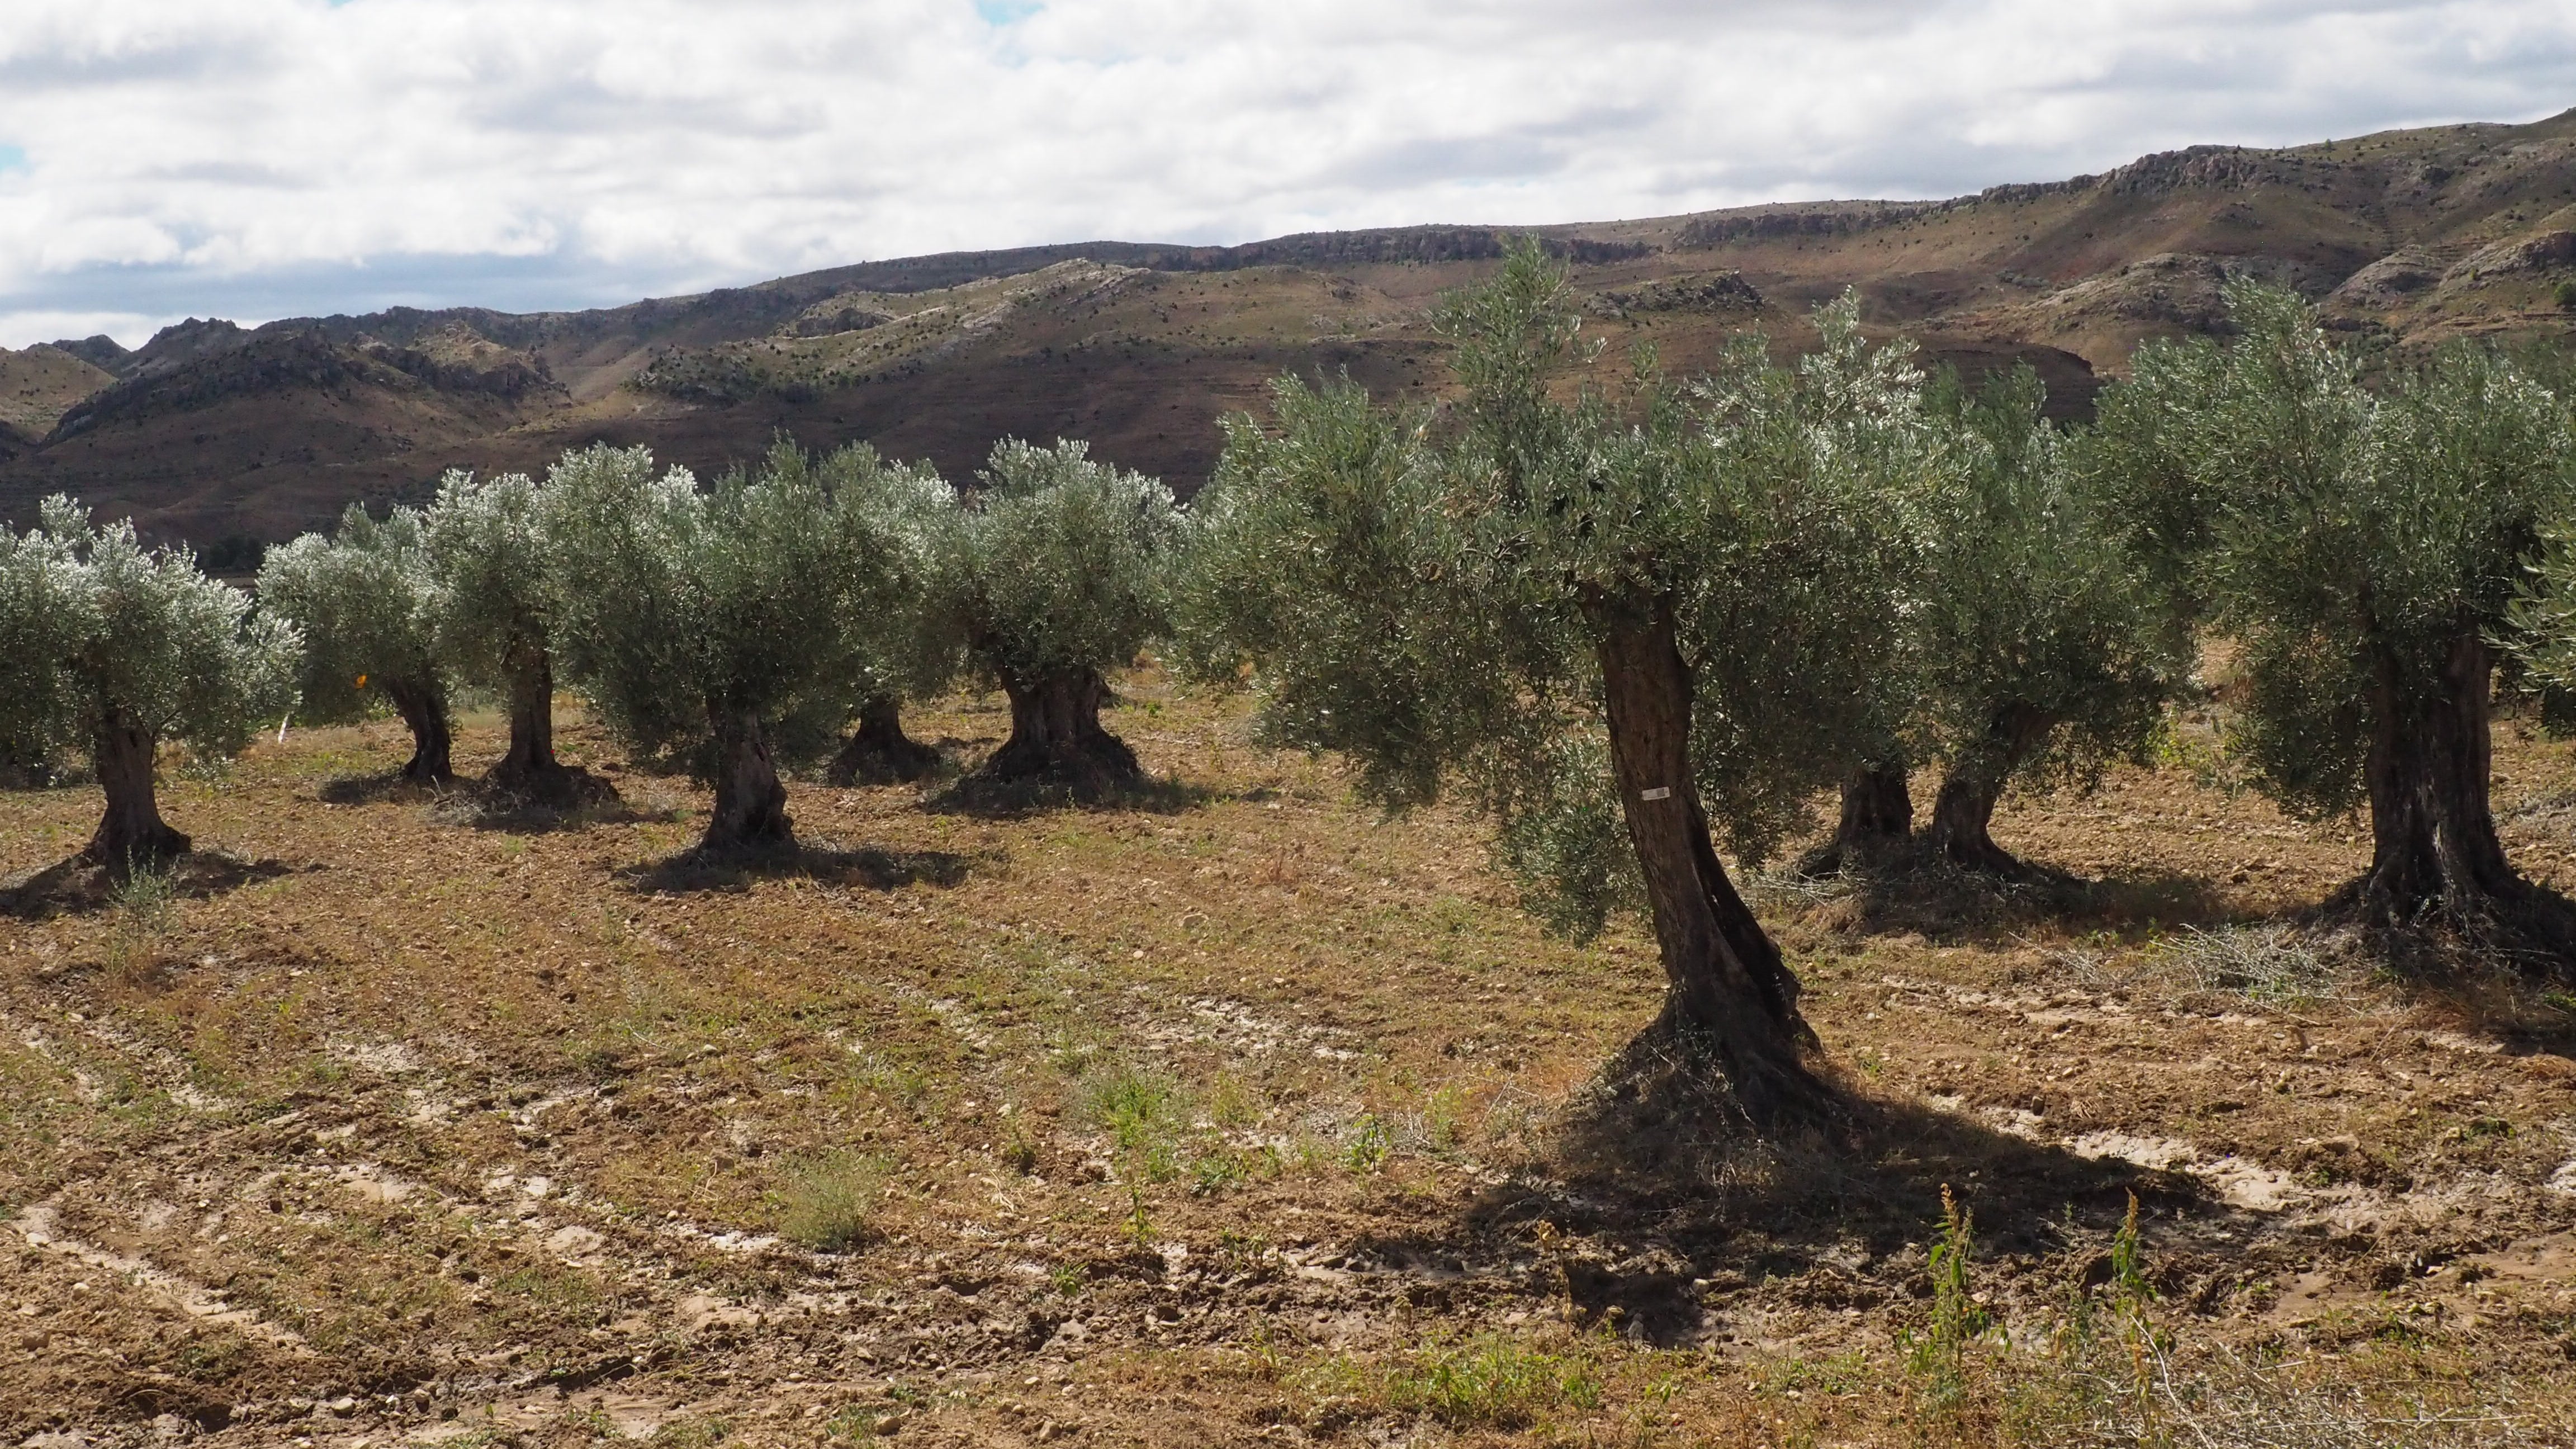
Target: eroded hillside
214	431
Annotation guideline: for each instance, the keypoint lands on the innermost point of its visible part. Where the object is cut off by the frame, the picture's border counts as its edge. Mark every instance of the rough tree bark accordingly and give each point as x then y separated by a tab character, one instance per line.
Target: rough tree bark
2435	856
529	767
1056	738
423	707
751	805
1964	811
1727	983
1877	818
131	834
878	752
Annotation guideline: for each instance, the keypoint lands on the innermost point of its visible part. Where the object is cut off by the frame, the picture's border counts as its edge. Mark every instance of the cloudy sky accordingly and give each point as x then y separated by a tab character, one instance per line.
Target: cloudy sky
265	158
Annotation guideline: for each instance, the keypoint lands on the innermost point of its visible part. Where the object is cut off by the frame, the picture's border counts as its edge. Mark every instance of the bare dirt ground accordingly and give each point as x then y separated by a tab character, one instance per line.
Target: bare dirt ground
1247	1117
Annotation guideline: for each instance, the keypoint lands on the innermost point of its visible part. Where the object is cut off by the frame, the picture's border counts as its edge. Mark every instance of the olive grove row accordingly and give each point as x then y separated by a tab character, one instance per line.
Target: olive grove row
1632	622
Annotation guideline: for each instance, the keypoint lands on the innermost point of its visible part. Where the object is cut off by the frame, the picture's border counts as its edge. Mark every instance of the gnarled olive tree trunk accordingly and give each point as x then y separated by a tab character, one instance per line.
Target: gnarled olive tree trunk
2435	856
131	834
751	805
529	765
1964	812
423	707
1728	985
1877	818
878	752
1056	737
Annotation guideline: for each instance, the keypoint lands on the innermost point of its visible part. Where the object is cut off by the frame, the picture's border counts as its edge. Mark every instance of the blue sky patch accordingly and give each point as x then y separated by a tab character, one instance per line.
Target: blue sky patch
13	158
998	13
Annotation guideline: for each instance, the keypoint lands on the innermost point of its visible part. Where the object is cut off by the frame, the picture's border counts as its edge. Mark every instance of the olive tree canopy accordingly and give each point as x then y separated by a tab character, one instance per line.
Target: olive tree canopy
901	648
493	570
697	621
1055	572
2362	549
109	648
1631	627
2041	644
365	603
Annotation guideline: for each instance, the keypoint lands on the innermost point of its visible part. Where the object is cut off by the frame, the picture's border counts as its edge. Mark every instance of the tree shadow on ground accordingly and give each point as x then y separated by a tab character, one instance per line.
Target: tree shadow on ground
2484	991
1917	890
392	785
77	887
735	870
582	800
985	799
1649	1212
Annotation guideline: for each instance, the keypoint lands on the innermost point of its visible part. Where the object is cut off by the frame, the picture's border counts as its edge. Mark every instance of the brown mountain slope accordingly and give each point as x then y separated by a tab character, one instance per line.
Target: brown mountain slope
204	448
2405	238
37	386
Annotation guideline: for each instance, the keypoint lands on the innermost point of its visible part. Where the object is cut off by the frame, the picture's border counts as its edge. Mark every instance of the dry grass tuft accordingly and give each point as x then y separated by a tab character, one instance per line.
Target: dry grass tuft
828	1200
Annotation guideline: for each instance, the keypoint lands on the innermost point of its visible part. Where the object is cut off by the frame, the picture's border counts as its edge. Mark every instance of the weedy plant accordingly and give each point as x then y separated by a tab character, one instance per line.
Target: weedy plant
827	1200
1488	1382
1370	1144
141	903
1938	1357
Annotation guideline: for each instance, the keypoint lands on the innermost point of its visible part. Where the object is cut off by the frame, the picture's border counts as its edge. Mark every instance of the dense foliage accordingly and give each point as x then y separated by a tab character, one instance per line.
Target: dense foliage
491	563
2361	549
1434	604
108	648
2040	646
697	621
1644	615
368	610
1057	570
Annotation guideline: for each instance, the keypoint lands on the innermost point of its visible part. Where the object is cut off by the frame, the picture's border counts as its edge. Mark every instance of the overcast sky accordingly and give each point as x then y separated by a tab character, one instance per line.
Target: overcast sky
264	158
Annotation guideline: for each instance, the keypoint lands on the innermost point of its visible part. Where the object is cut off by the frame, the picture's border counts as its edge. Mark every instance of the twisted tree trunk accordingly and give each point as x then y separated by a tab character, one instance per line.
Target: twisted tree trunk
131	834
2435	856
1877	819
1056	737
1964	811
878	752
529	766
423	707
1727	984
750	805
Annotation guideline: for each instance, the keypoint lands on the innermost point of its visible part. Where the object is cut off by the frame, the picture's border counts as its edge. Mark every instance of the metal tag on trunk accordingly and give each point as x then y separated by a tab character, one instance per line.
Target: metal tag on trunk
1660	792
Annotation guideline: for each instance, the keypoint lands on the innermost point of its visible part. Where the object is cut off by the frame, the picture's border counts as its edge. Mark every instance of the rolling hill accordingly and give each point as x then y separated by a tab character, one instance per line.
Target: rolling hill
229	435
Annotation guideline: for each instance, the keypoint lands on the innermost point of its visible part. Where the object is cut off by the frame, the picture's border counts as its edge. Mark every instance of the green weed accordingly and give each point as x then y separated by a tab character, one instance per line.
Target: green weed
1134	1106
1938	1357
1489	1382
1369	1145
827	1200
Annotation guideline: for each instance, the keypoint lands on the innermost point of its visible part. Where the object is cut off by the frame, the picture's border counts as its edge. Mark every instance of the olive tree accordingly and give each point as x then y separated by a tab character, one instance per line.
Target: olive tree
110	648
696	621
2362	549
1630	627
2041	647
1055	572
491	563
367	608
901	648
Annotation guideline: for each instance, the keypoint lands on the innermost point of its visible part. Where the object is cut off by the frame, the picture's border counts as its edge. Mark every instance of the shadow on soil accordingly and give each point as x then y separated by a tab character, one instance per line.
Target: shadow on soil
1011	799
1921	891
735	870
1647	1214
392	786
76	887
577	800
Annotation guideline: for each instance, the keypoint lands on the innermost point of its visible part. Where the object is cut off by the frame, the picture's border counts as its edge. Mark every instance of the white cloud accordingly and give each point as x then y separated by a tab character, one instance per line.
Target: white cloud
267	157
